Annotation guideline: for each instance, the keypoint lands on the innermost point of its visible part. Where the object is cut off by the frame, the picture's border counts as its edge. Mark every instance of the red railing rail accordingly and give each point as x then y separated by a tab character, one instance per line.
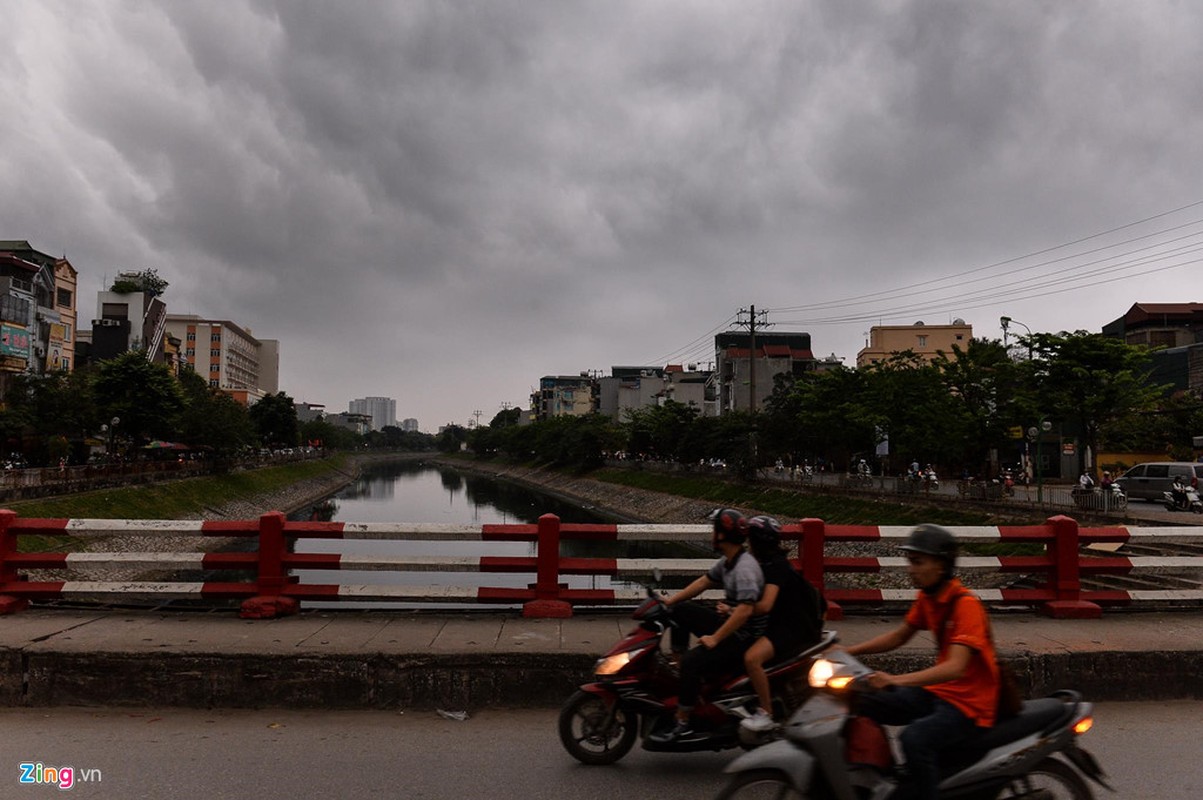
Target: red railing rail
1051	555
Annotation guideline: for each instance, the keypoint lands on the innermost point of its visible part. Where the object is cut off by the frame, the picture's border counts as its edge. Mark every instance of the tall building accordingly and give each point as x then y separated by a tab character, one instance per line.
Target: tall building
382	410
409	425
228	356
925	341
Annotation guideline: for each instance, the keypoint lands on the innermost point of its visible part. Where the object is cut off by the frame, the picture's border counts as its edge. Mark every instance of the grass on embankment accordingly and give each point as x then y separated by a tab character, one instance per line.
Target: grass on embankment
170	499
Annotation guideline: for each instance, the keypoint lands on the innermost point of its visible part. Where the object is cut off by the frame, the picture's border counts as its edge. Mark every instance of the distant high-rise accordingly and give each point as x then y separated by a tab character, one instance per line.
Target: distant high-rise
382	410
410	425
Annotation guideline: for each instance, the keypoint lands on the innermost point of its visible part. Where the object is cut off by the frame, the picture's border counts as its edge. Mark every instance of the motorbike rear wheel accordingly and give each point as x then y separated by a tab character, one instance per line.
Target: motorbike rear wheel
591	735
760	783
1058	780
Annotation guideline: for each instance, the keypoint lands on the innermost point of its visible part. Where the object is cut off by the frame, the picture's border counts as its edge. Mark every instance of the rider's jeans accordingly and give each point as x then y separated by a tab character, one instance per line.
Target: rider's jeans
701	661
932	725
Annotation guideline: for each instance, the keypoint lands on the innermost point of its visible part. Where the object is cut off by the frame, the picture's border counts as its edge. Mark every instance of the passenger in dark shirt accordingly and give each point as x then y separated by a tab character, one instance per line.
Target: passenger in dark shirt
795	614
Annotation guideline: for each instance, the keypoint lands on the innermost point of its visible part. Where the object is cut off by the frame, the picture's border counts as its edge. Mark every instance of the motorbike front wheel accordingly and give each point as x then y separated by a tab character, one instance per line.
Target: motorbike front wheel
1058	780
591	734
760	783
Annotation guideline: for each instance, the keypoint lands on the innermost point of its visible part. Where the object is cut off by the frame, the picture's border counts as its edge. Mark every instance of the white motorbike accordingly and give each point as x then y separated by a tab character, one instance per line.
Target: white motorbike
1186	500
828	752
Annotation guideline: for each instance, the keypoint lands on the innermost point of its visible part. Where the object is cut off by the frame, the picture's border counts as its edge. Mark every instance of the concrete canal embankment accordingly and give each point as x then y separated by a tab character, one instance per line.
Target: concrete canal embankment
621	503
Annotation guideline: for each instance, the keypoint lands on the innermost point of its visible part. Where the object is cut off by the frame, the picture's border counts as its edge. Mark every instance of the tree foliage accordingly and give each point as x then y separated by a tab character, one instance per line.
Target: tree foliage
275	421
145	397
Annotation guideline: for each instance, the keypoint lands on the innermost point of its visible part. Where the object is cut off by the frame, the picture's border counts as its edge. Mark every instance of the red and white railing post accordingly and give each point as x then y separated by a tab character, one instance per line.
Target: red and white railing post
812	551
547	602
9	604
269	600
1066	577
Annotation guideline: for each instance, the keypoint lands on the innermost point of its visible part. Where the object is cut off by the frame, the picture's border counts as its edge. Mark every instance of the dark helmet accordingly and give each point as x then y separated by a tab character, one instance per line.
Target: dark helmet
731	524
934	541
764	534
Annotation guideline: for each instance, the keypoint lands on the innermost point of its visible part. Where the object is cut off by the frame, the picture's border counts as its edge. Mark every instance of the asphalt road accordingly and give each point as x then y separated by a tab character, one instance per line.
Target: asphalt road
1150	750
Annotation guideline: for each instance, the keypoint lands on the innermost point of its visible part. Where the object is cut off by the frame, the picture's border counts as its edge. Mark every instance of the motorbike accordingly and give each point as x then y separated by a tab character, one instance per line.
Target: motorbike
826	751
1188	500
634	697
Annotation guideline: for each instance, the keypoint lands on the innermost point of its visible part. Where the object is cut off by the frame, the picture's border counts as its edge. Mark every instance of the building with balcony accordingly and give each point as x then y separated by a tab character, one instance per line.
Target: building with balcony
927	342
228	356
38	327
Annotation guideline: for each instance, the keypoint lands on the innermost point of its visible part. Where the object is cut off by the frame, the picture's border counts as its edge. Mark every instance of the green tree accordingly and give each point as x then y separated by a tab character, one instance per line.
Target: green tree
662	431
145	397
147	280
211	418
1089	381
275	420
451	439
983	384
332	437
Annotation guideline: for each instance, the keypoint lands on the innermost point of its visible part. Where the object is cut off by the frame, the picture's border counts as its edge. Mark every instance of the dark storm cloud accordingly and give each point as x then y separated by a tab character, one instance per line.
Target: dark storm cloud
443	201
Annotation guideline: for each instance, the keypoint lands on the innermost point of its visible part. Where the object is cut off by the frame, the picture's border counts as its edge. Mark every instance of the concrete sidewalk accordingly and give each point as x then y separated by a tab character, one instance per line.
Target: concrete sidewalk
344	659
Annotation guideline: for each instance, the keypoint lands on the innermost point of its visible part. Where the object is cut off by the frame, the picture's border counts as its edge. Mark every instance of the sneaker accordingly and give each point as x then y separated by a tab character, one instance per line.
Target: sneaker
682	730
758	722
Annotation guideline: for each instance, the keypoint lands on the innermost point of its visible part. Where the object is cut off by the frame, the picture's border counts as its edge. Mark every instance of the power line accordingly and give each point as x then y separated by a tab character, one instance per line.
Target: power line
860	299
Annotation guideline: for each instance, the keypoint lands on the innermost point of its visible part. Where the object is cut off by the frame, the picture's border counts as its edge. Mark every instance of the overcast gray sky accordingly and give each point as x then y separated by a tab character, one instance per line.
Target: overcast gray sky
441	202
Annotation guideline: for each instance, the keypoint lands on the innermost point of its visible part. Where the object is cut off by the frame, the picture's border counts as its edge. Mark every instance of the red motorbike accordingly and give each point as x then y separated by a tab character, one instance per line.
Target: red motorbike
634	697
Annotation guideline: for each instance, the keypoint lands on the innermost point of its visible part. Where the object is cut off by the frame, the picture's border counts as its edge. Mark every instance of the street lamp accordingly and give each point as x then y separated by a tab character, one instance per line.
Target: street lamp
1005	322
1038	435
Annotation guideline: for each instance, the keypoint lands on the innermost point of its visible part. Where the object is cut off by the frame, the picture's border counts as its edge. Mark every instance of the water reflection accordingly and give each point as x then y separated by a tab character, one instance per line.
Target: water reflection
414	491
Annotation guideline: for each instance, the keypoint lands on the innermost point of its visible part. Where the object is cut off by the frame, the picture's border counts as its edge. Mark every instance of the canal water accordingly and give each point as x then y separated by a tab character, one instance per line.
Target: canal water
415	491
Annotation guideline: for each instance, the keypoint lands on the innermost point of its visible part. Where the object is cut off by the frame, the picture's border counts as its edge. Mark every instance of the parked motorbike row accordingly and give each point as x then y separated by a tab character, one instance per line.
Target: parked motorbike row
824	750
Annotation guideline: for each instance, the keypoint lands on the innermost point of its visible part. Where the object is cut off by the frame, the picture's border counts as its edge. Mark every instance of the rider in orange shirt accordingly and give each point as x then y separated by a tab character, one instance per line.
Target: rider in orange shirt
953	701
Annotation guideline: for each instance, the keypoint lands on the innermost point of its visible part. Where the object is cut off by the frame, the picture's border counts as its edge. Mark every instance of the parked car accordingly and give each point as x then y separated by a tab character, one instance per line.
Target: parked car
1150	480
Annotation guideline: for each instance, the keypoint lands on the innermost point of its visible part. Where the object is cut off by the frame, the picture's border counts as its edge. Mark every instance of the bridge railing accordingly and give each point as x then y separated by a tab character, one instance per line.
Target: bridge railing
1054	556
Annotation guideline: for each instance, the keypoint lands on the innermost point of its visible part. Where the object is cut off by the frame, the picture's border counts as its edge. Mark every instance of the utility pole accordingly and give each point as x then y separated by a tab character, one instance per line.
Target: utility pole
750	323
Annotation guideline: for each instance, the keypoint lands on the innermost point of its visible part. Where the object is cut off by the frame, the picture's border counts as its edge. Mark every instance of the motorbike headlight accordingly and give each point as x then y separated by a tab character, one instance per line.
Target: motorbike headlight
612	664
820	672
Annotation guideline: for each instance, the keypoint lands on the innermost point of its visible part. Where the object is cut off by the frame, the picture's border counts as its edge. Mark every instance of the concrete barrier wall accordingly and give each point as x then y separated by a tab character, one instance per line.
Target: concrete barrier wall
465	682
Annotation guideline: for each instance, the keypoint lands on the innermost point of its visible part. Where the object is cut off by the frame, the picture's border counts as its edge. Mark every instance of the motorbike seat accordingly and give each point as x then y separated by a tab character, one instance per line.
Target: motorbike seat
1035	716
776	667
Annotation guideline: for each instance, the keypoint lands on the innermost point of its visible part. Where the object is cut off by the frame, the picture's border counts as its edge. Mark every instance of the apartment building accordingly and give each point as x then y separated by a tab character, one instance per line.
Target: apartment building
381	410
228	356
